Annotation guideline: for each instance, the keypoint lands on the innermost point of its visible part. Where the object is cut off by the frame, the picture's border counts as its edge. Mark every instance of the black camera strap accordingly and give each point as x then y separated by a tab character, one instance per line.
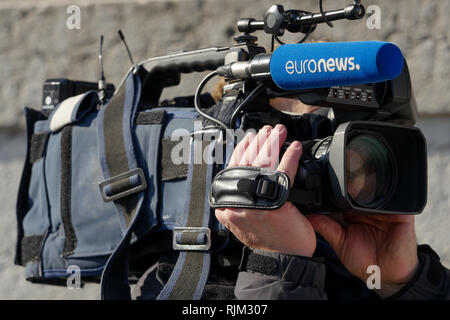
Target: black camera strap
124	179
192	237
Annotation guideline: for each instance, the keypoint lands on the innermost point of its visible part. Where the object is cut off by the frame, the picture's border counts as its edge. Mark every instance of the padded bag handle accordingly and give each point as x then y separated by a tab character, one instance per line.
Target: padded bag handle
72	110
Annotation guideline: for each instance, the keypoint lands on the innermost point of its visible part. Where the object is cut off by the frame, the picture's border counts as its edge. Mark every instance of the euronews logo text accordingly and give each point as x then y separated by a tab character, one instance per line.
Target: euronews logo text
330	65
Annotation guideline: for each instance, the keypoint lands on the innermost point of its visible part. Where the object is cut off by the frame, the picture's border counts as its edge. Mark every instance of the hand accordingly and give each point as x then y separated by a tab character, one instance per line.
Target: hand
283	230
388	241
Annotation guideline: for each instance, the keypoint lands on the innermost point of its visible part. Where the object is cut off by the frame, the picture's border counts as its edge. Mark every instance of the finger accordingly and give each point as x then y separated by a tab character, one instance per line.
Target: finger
289	162
332	231
240	149
251	152
270	151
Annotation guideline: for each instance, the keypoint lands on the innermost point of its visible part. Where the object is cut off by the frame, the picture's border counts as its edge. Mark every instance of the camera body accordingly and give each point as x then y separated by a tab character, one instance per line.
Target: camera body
361	154
356	157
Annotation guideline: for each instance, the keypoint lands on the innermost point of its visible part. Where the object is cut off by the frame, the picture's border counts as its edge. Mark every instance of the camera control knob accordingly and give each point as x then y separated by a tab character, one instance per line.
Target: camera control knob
274	19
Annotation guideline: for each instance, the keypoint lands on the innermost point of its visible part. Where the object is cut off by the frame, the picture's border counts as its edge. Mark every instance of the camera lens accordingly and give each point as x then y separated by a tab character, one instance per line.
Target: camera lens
370	170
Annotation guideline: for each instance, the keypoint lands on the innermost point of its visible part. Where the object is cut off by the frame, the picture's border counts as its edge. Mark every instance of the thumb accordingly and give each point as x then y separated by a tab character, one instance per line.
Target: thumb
332	231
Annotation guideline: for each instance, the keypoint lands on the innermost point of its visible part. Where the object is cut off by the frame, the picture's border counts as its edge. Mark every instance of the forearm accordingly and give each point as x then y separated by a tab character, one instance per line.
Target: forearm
275	276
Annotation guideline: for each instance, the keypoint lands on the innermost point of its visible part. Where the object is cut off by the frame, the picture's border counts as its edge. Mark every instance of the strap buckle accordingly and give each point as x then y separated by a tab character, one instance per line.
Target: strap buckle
123	193
196	238
267	189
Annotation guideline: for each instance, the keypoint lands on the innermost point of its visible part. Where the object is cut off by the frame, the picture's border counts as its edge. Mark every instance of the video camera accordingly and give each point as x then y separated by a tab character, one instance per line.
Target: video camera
361	150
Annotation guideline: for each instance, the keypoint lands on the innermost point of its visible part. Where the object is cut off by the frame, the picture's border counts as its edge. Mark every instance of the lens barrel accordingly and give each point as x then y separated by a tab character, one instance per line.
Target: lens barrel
370	167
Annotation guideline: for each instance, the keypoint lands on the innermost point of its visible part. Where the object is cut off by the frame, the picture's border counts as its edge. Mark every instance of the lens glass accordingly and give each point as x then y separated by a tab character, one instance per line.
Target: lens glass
369	170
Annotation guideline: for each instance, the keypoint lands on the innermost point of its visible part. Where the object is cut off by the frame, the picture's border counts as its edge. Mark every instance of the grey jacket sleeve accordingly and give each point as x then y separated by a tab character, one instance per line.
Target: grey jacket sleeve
431	281
274	276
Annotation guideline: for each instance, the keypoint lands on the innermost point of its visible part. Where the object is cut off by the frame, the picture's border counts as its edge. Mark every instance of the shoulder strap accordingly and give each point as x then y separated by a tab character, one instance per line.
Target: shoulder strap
124	179
192	237
124	184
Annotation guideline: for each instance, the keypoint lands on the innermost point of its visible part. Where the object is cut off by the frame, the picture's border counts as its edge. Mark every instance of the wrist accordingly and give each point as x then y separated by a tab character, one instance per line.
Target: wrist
308	253
303	251
300	252
388	289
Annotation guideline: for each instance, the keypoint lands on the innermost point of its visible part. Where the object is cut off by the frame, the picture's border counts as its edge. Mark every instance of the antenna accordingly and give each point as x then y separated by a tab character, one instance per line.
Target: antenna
122	37
101	82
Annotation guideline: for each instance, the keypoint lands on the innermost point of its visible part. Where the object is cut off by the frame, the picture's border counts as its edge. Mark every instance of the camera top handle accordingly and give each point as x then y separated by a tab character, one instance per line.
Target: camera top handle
165	71
276	20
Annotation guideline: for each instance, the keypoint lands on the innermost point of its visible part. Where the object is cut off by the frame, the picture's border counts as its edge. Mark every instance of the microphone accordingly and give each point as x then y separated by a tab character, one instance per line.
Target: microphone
322	65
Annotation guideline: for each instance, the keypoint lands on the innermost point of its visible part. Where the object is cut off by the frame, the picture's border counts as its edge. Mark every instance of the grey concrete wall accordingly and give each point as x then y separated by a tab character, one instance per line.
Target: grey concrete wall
35	44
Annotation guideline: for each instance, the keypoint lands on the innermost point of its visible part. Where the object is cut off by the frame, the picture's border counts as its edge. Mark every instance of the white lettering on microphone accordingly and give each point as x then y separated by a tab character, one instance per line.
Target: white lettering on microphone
330	65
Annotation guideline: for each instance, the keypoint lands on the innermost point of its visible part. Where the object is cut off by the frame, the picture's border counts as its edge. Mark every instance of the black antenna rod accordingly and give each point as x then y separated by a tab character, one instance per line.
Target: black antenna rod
122	37
101	82
100	57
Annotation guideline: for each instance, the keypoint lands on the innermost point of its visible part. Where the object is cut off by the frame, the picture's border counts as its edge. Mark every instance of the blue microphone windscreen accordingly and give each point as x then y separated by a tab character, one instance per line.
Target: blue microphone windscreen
321	65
